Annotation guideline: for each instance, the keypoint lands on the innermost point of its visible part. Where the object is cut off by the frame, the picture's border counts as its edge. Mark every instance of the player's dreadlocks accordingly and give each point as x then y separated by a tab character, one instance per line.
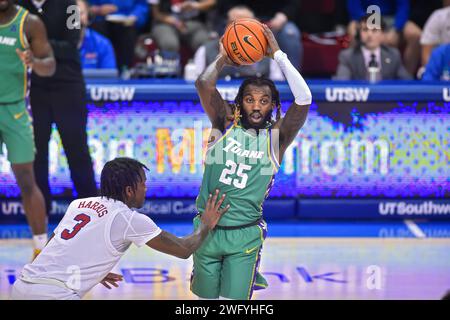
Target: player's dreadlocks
259	82
118	174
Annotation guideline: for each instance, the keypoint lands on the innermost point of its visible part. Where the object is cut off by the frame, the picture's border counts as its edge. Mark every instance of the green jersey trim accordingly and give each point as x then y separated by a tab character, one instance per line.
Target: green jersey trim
13	19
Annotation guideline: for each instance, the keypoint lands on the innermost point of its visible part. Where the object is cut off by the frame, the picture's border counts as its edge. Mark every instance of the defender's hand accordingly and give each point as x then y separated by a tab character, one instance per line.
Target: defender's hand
26	57
111	279
271	41
213	213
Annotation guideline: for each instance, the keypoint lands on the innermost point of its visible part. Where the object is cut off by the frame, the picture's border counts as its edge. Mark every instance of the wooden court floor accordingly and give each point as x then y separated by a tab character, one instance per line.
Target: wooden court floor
295	268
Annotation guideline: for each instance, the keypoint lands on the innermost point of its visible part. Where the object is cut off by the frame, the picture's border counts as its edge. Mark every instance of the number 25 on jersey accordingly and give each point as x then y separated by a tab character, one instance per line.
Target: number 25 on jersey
240	181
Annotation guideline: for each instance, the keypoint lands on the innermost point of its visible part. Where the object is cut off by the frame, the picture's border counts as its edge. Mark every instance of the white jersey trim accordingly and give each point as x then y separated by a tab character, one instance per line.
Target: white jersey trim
107	234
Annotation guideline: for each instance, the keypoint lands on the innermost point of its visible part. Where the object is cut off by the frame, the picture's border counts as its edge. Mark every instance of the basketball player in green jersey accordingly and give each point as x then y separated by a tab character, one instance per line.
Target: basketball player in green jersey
23	45
244	152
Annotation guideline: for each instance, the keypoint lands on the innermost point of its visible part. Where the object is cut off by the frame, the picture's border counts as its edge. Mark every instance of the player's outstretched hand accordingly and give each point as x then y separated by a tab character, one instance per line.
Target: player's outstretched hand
213	212
271	41
112	279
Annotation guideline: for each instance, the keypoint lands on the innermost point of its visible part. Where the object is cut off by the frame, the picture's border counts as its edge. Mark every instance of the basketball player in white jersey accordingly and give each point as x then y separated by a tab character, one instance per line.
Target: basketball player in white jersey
95	233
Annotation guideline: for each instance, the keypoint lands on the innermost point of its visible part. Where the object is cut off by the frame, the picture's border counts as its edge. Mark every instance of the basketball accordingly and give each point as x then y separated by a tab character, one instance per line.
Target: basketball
244	41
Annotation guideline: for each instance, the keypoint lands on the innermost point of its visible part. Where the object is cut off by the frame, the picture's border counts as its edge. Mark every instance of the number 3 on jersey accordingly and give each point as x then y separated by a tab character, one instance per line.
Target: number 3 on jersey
83	219
231	169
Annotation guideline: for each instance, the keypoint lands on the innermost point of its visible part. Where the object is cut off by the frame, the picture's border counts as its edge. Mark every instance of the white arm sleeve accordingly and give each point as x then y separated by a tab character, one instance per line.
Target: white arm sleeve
200	59
298	86
275	72
132	227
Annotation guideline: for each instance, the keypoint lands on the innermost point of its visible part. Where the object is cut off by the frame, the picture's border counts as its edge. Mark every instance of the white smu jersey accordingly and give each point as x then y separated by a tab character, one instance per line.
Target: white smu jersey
89	241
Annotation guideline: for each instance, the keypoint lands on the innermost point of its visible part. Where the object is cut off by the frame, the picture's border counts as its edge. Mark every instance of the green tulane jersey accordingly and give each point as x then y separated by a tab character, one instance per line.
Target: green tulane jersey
242	165
13	73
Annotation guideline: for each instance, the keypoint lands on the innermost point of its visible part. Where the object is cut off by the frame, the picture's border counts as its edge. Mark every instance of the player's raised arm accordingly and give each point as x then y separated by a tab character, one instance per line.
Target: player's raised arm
39	55
296	115
215	107
184	247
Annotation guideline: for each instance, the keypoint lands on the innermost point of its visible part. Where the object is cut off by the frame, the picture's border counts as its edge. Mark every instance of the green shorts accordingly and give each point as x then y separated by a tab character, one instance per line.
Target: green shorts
227	263
16	132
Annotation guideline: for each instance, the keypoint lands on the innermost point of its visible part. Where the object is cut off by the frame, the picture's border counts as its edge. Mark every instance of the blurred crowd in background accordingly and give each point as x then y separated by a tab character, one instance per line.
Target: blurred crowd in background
322	38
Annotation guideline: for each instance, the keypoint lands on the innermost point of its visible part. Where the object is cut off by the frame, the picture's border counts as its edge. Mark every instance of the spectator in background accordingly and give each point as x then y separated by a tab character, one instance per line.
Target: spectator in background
321	16
178	20
61	99
207	53
438	67
421	10
119	20
399	29
369	51
436	31
278	15
96	51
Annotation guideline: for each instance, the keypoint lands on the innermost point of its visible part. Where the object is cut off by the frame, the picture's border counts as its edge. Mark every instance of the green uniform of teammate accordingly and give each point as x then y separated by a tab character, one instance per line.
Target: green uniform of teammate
23	45
15	123
244	152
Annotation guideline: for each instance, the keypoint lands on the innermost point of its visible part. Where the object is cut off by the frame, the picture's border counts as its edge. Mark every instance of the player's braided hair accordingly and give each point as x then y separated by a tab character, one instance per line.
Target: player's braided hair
118	174
259	82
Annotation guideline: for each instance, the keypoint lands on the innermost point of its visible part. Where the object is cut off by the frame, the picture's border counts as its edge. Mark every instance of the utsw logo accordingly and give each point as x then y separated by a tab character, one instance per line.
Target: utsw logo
15	208
347	94
112	93
446	94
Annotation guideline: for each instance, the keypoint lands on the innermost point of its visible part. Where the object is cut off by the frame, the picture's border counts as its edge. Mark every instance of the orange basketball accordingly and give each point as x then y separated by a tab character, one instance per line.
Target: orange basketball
244	41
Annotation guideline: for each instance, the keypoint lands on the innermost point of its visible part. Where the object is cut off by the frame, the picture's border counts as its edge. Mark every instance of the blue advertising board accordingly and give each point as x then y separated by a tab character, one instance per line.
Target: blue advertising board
385	141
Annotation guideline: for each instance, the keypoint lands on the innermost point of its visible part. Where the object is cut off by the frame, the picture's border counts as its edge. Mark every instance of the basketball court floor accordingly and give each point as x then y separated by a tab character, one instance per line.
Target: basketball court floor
301	260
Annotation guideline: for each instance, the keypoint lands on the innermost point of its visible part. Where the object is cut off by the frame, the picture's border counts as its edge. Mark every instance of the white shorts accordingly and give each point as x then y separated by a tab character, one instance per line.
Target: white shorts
33	291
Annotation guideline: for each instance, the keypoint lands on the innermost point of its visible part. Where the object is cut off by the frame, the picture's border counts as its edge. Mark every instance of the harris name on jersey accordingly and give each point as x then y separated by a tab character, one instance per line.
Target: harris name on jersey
94	205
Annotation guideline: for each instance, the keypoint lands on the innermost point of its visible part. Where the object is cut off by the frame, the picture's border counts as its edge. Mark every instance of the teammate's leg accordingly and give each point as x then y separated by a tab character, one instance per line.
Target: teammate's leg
33	201
18	137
